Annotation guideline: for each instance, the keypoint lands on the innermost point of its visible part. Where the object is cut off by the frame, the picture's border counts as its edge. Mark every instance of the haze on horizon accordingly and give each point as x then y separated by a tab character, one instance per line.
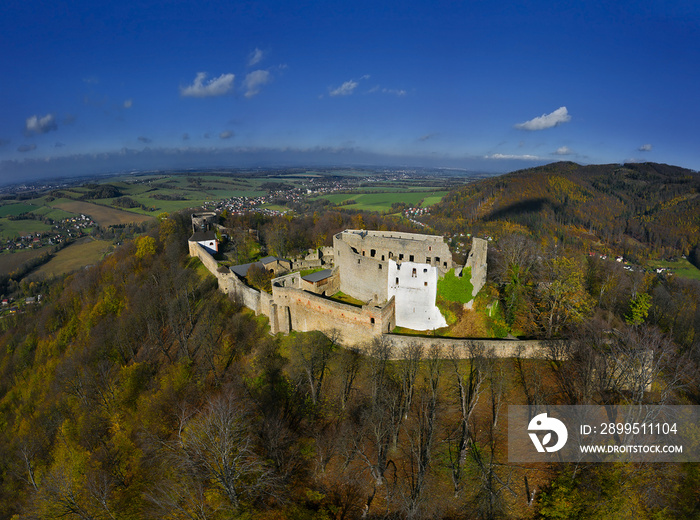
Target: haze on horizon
485	86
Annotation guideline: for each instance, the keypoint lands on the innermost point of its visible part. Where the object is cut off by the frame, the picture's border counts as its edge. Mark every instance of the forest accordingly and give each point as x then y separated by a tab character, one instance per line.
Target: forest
641	210
137	390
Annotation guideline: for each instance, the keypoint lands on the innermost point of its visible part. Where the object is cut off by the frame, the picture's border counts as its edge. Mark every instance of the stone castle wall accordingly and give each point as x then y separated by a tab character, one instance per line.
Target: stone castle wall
477	262
414	287
228	282
289	307
328	287
363	277
203	220
363	258
409	247
464	348
353	326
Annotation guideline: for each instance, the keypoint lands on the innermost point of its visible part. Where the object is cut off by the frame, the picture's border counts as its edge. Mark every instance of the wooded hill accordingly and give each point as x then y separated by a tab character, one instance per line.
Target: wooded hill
637	209
137	390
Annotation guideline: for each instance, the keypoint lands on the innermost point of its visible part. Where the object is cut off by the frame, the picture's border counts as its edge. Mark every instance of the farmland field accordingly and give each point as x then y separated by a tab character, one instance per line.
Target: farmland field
73	257
103	215
16	209
10	229
11	261
186	191
383	201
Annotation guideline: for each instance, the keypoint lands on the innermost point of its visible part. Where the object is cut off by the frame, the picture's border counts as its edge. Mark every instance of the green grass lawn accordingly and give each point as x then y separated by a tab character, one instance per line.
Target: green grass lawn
454	288
275	207
342	297
680	267
433	199
16	209
54	213
13	228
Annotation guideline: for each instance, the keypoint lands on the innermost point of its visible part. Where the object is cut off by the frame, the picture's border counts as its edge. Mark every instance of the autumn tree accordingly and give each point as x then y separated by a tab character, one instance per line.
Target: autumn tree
215	459
513	269
561	296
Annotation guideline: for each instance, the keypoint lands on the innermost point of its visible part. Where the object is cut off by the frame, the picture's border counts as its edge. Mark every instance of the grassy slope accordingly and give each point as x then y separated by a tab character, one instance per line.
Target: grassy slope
83	252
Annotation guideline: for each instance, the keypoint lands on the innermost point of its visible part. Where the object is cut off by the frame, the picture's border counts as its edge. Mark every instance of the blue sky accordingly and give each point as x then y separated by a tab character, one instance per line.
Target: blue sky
93	87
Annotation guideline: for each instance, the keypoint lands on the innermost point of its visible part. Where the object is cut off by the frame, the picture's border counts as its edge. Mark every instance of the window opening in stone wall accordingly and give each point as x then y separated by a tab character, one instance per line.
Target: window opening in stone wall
358	261
410	258
372	252
413	273
427	259
437	260
400	256
380	267
444	264
371	320
430	248
382	258
363	252
425	270
425	284
397	280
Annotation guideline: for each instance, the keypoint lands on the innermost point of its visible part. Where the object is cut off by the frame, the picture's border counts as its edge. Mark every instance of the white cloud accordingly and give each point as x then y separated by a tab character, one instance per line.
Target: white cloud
559	116
226	134
144	139
128	103
563	150
254	81
645	148
215	87
525	157
40	125
394	91
345	89
255	57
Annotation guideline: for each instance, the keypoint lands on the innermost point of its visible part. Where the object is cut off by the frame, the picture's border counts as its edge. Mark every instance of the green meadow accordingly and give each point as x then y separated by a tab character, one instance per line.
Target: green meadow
383	201
680	267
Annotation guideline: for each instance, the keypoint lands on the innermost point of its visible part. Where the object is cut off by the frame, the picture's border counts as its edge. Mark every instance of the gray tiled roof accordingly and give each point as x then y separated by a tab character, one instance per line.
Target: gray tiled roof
242	270
317	276
200	236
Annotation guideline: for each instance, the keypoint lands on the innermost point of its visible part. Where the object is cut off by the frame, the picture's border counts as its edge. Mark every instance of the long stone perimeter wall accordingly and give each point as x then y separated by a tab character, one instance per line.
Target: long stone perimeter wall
293	309
464	348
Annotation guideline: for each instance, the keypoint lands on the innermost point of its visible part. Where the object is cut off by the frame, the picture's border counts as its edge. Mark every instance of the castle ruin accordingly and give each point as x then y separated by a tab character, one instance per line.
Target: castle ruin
394	275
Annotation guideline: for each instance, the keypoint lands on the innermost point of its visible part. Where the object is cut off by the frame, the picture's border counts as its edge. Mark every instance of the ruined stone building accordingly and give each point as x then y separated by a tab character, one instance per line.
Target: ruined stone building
394	274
